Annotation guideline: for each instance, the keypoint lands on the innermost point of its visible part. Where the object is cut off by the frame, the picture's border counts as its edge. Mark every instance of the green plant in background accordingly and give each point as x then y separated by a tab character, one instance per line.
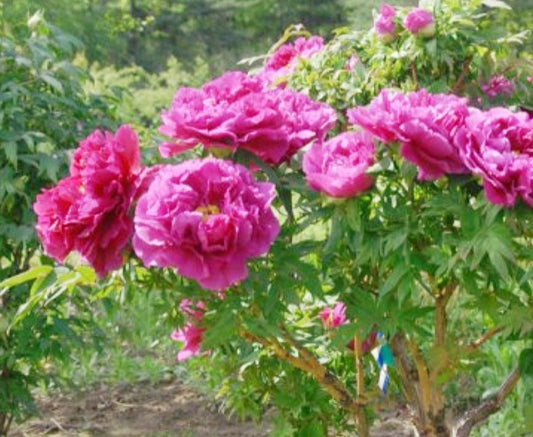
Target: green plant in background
41	321
140	96
43	109
148	32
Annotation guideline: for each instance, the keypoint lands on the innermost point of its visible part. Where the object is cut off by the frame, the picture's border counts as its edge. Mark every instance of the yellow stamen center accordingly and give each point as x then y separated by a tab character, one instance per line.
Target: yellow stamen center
208	210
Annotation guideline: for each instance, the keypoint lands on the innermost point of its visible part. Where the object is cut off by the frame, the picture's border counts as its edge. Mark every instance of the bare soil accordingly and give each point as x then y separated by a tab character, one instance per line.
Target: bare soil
157	410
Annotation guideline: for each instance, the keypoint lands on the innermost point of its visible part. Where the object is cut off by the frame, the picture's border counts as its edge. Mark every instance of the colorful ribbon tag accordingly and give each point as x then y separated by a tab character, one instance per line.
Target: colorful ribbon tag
383	356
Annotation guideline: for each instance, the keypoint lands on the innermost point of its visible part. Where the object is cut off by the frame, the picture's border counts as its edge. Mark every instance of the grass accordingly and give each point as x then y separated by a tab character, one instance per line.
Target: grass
130	344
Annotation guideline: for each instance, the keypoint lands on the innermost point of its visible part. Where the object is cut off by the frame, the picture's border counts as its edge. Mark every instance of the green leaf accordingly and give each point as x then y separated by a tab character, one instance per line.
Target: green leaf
525	362
282	426
33	273
10	150
313	428
52	81
499	264
353	216
496	4
336	233
220	331
395	239
431	47
393	279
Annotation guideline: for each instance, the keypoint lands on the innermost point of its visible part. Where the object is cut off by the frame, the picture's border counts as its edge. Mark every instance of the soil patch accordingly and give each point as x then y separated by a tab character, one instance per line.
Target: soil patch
142	410
154	410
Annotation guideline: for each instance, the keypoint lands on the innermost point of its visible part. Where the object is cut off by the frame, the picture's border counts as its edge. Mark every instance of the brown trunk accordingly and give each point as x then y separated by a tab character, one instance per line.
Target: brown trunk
478	414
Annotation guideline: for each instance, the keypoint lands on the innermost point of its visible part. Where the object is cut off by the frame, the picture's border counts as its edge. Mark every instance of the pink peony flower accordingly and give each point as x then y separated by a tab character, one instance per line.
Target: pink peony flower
191	336
352	62
194	310
384	24
333	317
337	167
498	146
381	116
367	344
88	211
101	151
420	22
524	184
285	59
237	111
53	207
427	133
205	218
498	85
423	123
529	79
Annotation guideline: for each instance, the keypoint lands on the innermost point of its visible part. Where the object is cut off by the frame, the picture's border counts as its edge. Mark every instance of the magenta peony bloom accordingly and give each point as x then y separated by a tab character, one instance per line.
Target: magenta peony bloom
205	218
285	59
427	133
193	310
495	145
498	85
423	123
352	62
237	111
337	167
498	146
420	22
384	24
333	317
53	207
192	336
369	343
524	184
381	116
101	151
88	211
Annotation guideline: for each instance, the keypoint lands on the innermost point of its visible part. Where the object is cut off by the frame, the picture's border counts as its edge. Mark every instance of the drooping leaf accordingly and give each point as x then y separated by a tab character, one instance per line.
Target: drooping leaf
525	362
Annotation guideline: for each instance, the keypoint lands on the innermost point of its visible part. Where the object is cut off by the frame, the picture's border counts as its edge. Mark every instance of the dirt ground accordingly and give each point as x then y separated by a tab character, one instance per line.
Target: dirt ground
143	410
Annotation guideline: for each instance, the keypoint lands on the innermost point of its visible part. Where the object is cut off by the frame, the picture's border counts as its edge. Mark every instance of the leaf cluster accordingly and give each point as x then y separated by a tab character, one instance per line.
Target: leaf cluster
43	112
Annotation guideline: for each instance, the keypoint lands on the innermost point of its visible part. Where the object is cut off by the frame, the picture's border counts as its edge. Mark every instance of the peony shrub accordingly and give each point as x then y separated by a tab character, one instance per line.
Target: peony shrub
388	186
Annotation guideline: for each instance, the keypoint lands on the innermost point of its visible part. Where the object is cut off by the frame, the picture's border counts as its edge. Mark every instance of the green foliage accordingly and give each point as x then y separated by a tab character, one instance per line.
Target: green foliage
148	32
130	348
43	112
139	96
469	46
45	325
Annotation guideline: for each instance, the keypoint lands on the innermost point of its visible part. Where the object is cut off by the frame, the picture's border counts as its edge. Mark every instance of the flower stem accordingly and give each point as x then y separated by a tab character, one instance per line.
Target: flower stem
362	423
441	320
485	337
308	363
